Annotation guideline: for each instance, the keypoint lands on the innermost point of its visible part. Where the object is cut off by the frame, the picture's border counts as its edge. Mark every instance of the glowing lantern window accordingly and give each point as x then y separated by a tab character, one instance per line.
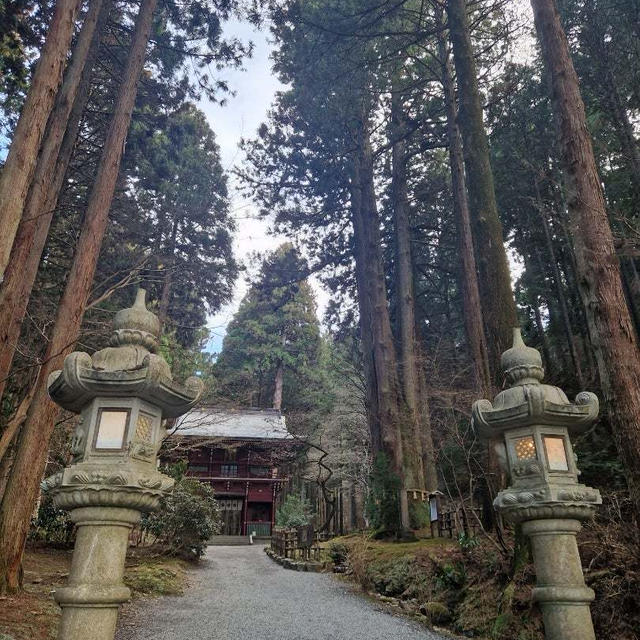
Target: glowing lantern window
556	453
525	448
112	427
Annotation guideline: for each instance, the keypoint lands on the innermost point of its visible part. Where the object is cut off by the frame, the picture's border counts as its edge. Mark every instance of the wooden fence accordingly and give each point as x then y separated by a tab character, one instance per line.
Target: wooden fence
454	520
295	542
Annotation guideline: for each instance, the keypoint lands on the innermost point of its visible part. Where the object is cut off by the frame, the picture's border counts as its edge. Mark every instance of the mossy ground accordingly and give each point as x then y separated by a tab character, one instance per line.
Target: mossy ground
33	614
464	590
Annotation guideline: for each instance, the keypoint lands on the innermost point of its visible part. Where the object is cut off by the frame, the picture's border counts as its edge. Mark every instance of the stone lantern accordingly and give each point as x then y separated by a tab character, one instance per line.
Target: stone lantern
122	393
535	421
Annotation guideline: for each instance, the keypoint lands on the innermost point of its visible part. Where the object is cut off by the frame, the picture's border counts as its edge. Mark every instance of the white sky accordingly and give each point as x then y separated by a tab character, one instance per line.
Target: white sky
255	87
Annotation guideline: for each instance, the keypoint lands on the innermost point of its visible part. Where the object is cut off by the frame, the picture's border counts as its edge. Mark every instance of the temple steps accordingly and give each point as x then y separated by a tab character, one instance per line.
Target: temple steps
228	541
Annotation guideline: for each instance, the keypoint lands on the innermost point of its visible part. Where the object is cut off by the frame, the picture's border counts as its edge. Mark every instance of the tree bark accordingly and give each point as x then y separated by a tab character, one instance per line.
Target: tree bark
383	388
30	462
595	39
598	269
60	137
544	340
277	392
418	431
564	310
472	307
498	305
170	259
23	154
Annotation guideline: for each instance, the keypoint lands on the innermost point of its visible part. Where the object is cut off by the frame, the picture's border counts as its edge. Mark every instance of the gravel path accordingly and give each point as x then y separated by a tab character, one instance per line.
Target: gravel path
240	594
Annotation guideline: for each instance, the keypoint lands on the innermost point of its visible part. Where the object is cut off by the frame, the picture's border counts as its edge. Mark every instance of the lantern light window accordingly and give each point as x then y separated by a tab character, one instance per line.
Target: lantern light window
112	428
525	448
556	453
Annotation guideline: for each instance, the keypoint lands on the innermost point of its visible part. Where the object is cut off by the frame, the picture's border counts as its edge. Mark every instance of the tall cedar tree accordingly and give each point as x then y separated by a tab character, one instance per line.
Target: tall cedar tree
470	289
22	488
25	145
612	333
410	366
59	139
499	311
274	336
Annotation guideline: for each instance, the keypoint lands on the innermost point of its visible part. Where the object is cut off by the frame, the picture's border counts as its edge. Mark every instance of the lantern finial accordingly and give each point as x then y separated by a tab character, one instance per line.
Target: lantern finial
136	325
521	364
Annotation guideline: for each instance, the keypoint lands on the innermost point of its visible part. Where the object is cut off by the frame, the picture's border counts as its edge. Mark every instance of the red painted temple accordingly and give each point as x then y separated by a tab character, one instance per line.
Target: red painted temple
242	454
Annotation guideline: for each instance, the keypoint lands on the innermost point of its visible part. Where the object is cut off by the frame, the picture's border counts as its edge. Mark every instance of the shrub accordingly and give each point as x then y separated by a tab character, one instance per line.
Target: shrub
51	525
294	512
187	518
450	576
392	578
437	612
338	552
419	515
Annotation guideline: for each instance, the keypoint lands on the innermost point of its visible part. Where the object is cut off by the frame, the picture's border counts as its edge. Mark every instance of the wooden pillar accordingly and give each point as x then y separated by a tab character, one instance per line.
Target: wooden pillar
245	509
273	506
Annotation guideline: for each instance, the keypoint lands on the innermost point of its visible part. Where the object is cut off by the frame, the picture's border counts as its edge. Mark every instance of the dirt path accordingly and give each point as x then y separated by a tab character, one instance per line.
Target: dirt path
240	594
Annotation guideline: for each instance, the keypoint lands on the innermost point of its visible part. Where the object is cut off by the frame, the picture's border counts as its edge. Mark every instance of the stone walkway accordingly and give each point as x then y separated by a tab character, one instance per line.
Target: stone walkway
240	594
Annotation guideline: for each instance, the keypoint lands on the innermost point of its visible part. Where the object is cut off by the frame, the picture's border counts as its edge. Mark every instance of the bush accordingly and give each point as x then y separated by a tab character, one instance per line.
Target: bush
187	518
338	552
294	512
52	526
437	612
419	514
392	578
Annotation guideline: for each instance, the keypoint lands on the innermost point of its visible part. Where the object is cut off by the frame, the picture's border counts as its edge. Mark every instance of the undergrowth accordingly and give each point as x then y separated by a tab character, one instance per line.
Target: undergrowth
447	584
468	585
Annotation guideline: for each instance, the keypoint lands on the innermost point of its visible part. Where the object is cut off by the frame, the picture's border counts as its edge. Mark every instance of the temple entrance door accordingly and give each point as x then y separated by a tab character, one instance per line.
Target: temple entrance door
231	512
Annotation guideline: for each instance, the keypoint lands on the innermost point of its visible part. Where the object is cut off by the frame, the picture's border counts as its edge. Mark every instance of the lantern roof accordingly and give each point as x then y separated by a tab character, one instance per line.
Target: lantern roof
527	401
127	368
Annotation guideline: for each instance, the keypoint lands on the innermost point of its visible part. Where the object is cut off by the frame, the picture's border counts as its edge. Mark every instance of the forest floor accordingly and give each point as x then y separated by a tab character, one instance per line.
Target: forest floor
468	587
34	615
464	589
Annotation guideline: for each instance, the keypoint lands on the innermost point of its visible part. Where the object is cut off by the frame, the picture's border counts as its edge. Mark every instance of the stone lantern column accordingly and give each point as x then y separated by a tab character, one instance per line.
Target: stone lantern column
535	421
122	393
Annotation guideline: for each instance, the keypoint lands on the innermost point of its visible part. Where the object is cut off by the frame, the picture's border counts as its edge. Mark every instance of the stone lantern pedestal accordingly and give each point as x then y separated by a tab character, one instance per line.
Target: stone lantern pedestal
544	496
122	393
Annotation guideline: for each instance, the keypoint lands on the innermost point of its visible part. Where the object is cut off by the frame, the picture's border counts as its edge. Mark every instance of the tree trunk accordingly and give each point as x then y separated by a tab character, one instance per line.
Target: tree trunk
499	311
48	179
277	392
598	269
596	42
564	310
29	465
23	154
165	298
629	280
544	340
472	308
418	428
383	389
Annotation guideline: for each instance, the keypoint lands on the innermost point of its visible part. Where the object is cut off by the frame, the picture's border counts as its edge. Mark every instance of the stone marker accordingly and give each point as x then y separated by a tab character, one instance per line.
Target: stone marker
122	392
535	420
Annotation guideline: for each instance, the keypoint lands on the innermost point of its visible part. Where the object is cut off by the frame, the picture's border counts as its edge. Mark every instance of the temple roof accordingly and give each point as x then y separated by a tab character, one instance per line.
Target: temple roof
237	424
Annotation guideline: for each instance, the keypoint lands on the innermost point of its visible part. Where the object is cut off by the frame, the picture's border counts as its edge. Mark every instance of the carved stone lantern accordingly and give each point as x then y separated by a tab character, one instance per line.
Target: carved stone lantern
535	421
122	393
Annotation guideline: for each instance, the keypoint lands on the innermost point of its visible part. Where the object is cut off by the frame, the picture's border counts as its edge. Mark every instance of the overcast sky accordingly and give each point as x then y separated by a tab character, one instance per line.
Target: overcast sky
255	87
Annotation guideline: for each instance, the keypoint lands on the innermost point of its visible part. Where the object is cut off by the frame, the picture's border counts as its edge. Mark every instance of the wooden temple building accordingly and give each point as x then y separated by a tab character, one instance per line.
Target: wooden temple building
243	454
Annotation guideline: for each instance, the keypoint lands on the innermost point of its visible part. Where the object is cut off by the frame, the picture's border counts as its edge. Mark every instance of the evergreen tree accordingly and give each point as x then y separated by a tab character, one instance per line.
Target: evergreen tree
272	344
